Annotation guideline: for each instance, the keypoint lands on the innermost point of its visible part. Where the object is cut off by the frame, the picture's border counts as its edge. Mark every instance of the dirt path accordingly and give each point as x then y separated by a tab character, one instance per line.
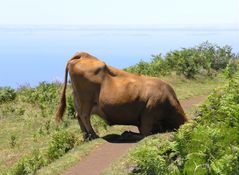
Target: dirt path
101	158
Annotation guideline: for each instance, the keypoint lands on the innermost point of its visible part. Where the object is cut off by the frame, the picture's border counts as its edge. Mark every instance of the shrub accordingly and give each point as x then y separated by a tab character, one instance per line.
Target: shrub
221	57
141	68
214	56
29	164
70	106
98	123
7	110
184	62
230	69
150	157
7	94
157	67
189	62
208	145
45	96
13	141
60	144
160	66
218	127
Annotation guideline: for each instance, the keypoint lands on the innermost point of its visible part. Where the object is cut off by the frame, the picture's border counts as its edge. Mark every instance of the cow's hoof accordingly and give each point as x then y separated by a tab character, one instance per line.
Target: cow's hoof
89	137
126	134
131	136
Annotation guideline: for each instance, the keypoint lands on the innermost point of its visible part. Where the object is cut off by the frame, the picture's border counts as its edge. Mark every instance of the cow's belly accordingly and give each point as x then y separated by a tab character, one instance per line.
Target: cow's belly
122	114
121	102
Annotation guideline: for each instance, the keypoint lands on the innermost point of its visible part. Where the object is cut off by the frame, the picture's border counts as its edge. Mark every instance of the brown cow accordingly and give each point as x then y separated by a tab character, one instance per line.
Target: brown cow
119	97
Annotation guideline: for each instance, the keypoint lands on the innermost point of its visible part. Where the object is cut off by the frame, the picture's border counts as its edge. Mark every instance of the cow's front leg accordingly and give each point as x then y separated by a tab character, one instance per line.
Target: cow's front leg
146	123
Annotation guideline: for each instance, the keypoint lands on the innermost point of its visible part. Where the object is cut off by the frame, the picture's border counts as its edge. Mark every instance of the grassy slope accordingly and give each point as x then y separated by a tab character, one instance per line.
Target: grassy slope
125	164
206	130
184	88
27	124
187	88
29	128
76	154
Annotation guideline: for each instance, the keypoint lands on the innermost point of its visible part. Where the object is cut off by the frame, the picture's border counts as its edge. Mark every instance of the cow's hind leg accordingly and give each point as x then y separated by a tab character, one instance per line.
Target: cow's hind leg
85	114
85	134
83	117
77	109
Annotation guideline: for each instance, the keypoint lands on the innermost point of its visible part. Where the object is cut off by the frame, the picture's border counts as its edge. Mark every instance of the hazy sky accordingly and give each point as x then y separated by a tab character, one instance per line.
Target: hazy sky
122	12
40	55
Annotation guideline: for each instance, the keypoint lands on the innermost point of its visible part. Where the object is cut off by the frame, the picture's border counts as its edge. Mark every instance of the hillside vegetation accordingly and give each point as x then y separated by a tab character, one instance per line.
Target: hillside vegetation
205	59
207	145
30	138
31	142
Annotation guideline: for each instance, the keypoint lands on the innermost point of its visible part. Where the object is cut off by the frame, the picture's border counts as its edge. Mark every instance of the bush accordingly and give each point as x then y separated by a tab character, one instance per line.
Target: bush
142	68
7	94
189	62
208	145
29	164
60	144
70	106
157	67
184	62
45	96
231	69
98	123
13	141
214	56
221	57
150	157
160	66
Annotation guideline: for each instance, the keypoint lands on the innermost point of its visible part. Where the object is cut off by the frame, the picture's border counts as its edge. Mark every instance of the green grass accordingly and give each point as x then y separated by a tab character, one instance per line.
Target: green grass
27	122
28	138
69	159
208	145
185	90
31	142
27	125
21	135
77	154
201	85
125	164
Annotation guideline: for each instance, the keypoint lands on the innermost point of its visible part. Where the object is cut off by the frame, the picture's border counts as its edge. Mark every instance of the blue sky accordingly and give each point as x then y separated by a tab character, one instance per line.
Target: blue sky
40	55
223	13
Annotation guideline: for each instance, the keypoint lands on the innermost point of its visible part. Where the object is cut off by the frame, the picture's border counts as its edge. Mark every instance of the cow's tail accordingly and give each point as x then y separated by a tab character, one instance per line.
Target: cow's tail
62	106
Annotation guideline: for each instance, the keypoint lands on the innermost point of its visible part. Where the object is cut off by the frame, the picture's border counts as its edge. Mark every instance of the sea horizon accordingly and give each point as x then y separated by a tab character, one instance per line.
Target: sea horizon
39	52
119	27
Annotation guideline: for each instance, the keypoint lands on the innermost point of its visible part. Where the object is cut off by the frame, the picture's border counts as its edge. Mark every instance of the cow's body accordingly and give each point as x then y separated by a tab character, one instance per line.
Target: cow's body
120	97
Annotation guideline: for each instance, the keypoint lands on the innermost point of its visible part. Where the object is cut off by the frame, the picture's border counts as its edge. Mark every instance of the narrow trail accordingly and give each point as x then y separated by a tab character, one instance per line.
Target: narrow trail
101	158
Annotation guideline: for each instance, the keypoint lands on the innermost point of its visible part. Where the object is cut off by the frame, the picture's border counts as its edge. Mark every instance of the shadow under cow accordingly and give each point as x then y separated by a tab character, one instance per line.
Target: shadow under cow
125	137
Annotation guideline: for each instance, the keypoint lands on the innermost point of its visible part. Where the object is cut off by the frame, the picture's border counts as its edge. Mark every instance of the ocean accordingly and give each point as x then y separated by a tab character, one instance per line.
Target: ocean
31	54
